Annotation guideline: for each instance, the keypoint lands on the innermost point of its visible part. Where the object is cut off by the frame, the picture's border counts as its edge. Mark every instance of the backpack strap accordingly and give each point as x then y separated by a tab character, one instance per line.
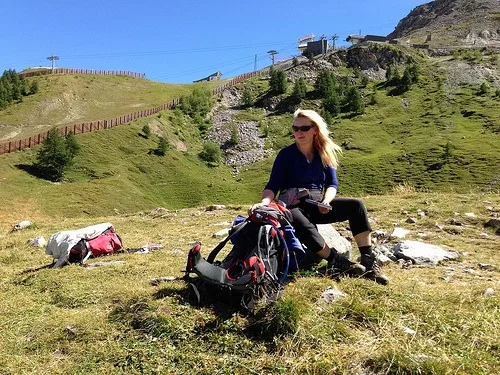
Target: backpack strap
219	247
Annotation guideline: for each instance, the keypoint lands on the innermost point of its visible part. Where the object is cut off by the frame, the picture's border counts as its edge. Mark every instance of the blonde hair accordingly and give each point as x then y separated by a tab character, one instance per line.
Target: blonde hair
328	150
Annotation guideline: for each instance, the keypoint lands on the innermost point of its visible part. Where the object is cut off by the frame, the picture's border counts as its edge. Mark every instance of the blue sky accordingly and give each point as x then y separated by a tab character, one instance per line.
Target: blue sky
180	41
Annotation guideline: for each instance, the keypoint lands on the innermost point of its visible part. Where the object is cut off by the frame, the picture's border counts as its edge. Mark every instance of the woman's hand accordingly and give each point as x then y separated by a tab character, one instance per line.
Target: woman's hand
324	210
267	197
252	208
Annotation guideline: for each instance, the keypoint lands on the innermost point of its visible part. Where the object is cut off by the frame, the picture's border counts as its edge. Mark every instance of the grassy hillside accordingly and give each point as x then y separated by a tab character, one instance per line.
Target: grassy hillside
111	319
434	149
76	98
116	171
430	138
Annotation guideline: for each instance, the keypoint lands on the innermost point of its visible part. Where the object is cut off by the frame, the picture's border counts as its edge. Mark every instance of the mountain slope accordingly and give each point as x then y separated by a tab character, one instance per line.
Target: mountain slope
67	99
447	23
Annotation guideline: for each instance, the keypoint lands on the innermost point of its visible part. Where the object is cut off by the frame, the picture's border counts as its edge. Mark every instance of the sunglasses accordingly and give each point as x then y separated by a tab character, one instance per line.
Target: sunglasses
304	128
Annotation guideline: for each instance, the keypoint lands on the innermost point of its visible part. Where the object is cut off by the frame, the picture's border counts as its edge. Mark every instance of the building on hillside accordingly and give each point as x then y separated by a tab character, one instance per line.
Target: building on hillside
303	42
355	38
212	77
318	47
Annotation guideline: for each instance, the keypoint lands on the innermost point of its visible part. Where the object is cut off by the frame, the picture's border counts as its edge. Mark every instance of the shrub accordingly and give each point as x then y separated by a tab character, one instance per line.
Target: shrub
278	83
55	155
235	136
162	146
364	80
72	145
483	89
199	102
331	103
354	102
13	88
325	83
146	130
247	97
299	90
211	152
33	88
392	75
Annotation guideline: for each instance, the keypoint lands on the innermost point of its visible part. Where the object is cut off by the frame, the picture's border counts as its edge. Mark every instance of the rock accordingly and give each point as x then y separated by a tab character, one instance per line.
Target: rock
158	211
21	225
422	253
470	214
411	220
489	292
492	223
222	233
38	241
409	331
487	267
215	207
378	234
399	232
335	240
384	255
331	294
454	221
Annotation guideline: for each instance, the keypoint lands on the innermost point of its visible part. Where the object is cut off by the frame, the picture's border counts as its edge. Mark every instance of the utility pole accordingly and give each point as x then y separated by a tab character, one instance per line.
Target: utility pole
53	58
272	53
334	38
255	63
321	38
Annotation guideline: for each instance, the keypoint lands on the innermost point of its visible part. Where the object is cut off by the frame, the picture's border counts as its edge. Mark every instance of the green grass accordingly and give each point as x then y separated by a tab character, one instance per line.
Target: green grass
74	99
113	320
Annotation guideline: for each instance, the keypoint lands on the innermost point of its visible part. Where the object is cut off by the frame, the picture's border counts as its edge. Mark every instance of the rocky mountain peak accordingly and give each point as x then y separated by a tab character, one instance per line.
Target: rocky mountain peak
452	23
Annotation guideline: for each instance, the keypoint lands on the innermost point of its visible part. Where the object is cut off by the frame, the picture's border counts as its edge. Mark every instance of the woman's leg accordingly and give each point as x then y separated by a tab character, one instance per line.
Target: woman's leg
363	239
345	209
353	210
306	231
308	234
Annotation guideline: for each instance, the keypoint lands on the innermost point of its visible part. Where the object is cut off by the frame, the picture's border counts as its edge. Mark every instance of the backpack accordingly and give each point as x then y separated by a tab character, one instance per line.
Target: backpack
265	250
107	243
76	246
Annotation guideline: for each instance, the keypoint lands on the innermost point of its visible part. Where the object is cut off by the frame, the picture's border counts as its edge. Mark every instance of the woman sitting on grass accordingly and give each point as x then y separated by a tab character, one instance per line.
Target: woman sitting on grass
310	163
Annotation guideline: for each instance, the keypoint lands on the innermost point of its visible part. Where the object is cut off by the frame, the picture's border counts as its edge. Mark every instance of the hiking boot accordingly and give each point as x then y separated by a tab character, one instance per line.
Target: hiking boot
340	265
373	271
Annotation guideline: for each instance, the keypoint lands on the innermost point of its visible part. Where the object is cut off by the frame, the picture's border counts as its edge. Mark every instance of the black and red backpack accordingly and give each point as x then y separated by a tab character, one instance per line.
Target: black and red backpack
264	252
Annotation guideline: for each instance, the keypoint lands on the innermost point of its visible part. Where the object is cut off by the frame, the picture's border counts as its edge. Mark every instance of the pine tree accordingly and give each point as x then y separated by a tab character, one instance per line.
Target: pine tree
54	156
354	102
278	83
299	90
247	97
72	145
331	103
162	146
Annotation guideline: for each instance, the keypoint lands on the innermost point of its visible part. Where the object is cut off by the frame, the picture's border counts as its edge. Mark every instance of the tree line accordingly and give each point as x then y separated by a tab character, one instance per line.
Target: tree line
13	88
